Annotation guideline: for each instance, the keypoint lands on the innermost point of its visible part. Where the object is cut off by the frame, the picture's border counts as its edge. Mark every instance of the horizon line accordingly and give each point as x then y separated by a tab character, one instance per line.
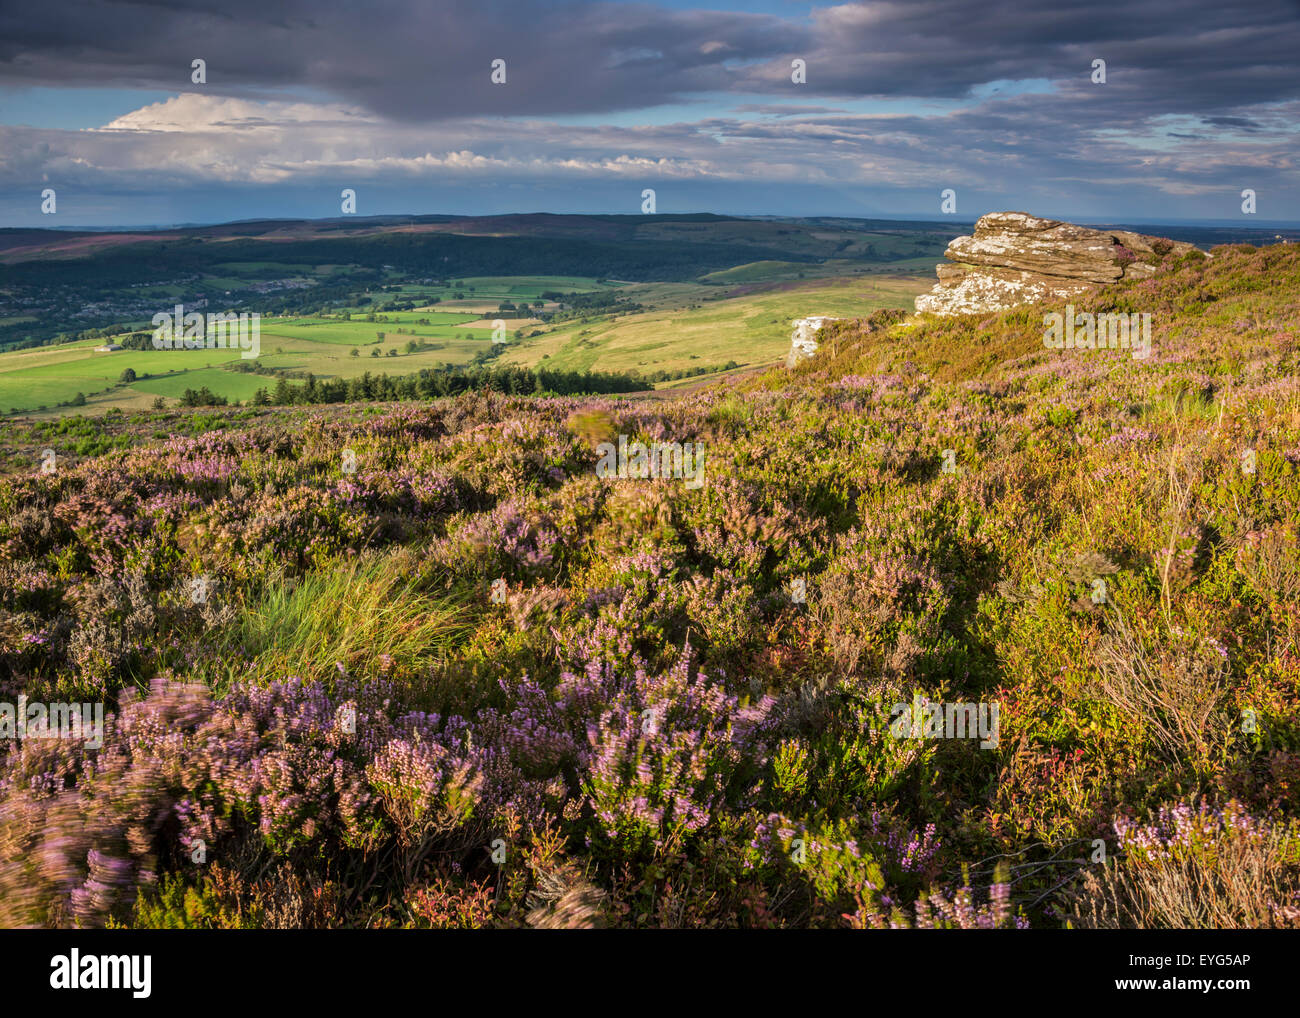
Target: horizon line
1262	224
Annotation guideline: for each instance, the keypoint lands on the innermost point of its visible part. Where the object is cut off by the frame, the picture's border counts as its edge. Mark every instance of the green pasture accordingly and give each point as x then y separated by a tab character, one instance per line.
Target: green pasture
685	325
754	272
356	332
749	329
46	376
232	385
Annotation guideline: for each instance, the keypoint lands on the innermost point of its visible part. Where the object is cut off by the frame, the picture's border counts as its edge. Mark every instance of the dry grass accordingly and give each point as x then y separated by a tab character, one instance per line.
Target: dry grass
1176	692
1240	882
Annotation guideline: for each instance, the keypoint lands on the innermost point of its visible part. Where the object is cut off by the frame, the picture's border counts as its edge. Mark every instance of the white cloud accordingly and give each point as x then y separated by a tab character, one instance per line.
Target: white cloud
193	112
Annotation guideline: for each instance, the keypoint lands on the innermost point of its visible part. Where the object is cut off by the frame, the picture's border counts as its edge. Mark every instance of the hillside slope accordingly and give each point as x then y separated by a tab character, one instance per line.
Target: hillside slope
425	627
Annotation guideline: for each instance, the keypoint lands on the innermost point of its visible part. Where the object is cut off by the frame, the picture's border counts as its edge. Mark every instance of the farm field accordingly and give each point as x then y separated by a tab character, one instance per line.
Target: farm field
486	292
685	325
51	375
361	333
752	328
48	376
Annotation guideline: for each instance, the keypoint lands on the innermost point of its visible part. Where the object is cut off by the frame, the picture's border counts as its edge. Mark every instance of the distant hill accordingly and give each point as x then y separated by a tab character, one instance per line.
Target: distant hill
61	283
811	238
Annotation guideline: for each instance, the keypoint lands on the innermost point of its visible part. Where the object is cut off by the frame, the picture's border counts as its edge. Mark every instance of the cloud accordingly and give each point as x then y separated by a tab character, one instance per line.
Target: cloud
1245	123
412	60
193	112
198	137
784	110
993	98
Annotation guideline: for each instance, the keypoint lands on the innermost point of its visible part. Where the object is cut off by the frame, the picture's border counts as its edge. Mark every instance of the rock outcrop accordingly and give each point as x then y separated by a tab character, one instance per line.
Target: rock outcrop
803	341
1015	258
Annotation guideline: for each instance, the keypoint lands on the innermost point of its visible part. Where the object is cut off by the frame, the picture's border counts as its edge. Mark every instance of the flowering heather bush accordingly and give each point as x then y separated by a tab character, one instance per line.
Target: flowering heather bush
505	540
679	683
667	752
957	911
81	829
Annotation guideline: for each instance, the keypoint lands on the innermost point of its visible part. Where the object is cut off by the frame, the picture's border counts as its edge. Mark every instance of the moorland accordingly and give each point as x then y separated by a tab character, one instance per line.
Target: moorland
415	664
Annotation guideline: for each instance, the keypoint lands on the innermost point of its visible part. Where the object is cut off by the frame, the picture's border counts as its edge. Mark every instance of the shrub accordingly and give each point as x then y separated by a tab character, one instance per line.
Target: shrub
1176	692
1197	868
81	830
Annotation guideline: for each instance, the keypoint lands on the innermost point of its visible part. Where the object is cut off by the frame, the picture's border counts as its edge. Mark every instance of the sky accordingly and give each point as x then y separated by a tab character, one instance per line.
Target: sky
902	100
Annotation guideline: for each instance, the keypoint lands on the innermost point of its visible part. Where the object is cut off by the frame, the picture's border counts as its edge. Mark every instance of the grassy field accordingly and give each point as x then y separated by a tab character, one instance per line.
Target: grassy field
48	376
489	291
754	272
741	315
360	333
749	328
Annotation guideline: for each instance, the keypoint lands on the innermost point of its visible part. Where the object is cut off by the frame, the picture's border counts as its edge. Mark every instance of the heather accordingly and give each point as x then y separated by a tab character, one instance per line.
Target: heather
442	675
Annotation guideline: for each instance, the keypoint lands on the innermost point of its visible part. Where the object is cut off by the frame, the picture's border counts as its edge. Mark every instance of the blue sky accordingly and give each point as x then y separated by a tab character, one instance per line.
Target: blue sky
995	100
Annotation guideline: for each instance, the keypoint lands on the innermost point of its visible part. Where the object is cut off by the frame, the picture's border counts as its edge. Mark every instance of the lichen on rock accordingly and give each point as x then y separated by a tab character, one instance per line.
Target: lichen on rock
1014	258
803	341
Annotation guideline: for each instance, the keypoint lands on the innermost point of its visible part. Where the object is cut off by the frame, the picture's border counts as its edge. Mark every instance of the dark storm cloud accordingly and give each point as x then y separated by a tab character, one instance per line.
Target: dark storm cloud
423	61
406	60
993	99
785	109
1161	55
1245	123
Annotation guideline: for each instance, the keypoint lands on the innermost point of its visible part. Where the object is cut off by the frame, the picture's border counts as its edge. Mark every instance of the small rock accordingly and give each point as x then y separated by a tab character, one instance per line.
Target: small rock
803	341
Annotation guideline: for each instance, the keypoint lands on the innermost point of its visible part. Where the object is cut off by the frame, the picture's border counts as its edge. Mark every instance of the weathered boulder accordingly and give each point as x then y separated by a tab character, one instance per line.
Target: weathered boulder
803	341
1014	258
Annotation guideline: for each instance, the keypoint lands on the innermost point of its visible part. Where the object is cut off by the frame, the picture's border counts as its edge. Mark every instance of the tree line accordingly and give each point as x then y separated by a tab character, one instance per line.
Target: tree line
432	384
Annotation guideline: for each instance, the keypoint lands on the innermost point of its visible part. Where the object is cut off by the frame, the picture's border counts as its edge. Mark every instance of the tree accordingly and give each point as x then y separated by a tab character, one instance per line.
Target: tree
203	397
128	376
354	352
159	403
